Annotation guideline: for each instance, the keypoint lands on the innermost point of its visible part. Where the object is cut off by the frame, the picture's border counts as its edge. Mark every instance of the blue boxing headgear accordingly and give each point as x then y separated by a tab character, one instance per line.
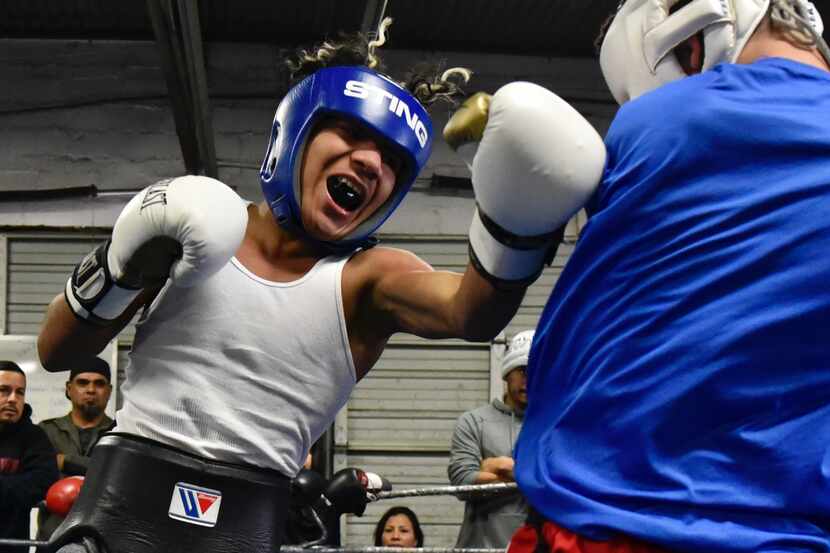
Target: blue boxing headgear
357	93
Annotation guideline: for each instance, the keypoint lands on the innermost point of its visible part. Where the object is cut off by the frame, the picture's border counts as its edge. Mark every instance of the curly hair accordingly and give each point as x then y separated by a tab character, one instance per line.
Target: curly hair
428	82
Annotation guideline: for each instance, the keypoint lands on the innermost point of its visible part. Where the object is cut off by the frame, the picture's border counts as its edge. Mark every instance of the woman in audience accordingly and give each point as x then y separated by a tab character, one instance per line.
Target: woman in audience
399	527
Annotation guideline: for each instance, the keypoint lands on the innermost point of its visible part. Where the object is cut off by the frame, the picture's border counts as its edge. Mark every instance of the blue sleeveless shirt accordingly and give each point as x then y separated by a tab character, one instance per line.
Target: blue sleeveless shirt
679	382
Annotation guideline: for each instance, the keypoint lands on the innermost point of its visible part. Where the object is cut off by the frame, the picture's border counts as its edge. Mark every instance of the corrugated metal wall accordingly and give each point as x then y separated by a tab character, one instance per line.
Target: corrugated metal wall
38	266
37	271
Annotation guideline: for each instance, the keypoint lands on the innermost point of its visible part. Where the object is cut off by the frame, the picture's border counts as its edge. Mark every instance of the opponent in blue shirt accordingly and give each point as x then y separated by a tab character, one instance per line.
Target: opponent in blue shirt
679	382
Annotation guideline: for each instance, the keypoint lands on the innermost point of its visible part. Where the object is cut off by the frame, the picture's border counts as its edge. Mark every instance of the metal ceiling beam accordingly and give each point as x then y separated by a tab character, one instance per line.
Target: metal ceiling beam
197	78
178	35
171	62
372	14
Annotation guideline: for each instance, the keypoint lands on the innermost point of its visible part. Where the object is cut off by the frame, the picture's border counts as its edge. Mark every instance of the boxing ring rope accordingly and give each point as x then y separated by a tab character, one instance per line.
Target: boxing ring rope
472	489
22	543
299	549
477	489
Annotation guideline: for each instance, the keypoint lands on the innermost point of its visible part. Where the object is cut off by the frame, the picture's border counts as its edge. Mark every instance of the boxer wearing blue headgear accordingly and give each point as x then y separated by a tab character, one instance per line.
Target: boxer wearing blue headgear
358	96
259	319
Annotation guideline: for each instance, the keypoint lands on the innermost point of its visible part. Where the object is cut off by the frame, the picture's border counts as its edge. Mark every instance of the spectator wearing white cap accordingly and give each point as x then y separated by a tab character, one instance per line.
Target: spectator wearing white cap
482	453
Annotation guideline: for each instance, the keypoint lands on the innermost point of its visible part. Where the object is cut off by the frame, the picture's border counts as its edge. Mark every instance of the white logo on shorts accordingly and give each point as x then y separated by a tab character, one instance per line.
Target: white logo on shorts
194	504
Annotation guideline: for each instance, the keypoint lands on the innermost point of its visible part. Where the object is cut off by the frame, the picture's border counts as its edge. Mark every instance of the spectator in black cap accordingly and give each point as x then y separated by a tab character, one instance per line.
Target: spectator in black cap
75	434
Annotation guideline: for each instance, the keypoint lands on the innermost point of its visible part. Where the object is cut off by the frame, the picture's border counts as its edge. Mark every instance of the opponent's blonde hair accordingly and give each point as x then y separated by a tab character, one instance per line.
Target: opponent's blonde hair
786	16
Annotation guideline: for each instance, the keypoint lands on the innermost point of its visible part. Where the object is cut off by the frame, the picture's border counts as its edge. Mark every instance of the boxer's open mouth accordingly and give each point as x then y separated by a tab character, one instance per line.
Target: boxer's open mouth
344	193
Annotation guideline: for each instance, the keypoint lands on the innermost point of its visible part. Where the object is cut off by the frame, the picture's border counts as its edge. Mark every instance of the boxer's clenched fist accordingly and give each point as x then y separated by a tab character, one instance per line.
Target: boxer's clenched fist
537	162
184	229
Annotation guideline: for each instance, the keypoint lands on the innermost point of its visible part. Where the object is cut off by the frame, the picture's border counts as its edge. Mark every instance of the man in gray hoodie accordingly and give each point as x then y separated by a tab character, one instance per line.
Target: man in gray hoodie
482	453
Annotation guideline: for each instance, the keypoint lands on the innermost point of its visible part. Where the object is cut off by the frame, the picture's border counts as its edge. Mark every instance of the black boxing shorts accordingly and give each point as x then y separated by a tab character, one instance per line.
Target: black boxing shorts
140	496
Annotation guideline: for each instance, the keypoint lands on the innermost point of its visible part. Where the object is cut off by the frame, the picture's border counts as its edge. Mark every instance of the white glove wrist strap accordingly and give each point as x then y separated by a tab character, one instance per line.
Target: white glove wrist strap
91	292
503	264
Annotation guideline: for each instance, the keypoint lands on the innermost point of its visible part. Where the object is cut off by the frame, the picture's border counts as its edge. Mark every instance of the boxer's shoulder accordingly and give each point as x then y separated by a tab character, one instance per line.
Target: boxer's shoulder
369	272
372	265
369	320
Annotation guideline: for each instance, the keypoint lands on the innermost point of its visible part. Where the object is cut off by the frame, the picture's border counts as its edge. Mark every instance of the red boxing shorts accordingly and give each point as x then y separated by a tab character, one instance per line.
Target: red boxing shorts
547	537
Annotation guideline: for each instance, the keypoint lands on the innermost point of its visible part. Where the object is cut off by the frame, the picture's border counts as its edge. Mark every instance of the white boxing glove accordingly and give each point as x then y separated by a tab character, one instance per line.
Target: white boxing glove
537	163
184	229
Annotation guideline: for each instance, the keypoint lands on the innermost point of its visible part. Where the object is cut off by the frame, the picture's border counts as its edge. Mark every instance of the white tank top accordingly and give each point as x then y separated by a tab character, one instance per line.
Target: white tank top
242	369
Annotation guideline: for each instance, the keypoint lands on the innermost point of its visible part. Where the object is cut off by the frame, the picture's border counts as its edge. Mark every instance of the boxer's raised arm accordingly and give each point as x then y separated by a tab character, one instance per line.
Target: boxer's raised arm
406	295
65	338
474	308
535	161
183	229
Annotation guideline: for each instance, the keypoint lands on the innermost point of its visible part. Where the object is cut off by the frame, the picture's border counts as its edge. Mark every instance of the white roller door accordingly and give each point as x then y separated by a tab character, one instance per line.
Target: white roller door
37	269
411	398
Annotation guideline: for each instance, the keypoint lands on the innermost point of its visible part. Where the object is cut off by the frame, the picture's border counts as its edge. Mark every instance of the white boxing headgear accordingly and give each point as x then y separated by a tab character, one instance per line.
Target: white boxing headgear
636	53
517	352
